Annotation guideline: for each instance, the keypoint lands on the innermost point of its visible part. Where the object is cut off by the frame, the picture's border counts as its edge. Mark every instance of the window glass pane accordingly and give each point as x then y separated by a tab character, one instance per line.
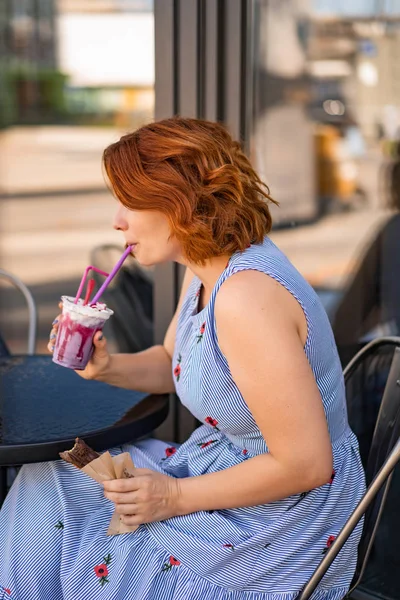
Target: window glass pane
326	140
74	76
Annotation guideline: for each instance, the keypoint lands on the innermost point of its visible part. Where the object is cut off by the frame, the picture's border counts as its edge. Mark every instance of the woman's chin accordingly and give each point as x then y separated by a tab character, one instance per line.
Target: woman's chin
151	259
145	261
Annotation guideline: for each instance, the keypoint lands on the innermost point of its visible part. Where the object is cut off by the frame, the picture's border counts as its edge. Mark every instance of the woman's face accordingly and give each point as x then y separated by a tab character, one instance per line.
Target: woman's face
149	234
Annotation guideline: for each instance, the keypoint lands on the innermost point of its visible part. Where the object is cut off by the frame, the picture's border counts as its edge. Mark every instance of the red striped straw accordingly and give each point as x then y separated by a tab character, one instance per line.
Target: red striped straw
89	290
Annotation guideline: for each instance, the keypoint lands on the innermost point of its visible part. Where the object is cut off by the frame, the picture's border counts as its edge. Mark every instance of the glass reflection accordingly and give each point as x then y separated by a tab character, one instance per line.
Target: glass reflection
326	131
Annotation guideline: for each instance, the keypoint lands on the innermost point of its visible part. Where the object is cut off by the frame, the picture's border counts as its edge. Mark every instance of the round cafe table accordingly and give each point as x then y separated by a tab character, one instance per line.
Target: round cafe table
44	407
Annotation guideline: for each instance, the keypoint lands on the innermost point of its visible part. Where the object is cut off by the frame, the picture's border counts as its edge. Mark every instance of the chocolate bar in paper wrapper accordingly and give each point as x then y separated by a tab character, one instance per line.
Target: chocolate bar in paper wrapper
102	467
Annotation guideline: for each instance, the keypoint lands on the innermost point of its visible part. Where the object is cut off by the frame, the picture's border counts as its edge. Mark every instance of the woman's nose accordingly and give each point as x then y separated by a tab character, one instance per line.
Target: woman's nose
120	222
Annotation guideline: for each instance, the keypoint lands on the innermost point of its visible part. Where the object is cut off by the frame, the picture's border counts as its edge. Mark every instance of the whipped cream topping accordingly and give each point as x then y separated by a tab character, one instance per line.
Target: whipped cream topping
79	310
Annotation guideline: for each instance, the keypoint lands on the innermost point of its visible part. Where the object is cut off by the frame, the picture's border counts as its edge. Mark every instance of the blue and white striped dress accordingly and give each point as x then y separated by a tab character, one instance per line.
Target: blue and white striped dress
53	525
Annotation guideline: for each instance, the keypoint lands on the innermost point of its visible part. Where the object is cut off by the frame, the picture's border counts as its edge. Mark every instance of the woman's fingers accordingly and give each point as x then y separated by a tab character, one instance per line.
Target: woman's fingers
131	520
126	509
52	341
100	346
124	498
53	333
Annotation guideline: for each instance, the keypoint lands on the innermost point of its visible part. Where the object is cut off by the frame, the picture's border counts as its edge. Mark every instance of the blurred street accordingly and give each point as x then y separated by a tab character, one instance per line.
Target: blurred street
37	160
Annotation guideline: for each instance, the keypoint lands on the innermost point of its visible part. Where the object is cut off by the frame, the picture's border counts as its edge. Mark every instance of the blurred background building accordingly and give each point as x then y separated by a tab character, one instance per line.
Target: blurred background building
57	65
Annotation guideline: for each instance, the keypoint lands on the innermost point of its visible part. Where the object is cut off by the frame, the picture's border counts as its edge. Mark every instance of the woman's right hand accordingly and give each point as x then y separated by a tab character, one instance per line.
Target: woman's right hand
100	360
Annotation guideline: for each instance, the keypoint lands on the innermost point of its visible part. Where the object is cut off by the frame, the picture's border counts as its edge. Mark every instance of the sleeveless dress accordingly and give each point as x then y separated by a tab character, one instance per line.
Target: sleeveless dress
53	542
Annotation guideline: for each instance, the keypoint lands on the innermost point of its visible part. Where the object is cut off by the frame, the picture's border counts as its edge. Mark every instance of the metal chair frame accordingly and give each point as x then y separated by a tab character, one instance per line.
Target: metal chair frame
381	481
32	329
17	283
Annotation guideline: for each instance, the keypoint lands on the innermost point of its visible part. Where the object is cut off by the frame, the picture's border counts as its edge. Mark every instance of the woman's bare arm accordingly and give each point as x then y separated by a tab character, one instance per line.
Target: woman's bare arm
150	370
259	334
147	371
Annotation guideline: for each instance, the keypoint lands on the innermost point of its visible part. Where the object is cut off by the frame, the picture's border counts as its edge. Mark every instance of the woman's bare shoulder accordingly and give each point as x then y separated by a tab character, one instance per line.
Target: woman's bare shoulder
251	296
249	286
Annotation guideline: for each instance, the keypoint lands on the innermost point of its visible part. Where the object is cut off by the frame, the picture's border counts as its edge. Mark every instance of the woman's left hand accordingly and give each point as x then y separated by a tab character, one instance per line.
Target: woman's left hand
148	496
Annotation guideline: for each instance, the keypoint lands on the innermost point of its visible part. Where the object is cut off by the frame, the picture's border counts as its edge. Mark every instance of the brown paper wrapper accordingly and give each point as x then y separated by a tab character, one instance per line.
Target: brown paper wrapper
123	466
107	467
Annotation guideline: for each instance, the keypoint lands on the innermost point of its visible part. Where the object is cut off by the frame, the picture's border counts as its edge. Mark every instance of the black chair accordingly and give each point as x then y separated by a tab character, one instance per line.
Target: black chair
130	296
371	297
384	453
365	380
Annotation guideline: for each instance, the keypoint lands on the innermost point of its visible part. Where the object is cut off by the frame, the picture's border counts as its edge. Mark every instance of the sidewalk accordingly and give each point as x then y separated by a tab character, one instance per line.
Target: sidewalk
36	160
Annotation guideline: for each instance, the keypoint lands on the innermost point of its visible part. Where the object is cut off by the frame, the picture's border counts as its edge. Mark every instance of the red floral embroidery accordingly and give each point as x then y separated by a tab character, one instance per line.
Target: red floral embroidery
169	452
231	546
7	591
329	543
212	422
205	444
202	330
244	451
332	476
177	370
102	570
173	562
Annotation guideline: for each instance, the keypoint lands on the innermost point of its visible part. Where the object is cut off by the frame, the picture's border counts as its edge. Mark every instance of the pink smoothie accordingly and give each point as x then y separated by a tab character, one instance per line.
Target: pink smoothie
74	343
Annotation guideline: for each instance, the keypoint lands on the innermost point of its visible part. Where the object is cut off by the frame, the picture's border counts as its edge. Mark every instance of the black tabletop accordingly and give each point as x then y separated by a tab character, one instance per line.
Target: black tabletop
43	407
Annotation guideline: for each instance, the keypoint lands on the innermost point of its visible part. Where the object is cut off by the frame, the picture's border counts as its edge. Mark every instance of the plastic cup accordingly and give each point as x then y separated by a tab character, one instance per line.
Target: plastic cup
74	343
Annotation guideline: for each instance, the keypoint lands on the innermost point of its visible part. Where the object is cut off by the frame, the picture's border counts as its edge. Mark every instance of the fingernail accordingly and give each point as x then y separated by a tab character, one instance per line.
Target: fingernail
52	348
53	336
55	321
101	337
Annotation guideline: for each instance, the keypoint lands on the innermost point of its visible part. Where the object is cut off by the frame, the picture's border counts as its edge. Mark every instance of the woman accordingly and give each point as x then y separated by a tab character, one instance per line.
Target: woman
248	505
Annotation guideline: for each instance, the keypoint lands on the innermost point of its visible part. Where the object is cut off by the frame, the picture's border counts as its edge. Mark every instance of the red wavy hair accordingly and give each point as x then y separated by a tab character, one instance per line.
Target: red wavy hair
198	176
